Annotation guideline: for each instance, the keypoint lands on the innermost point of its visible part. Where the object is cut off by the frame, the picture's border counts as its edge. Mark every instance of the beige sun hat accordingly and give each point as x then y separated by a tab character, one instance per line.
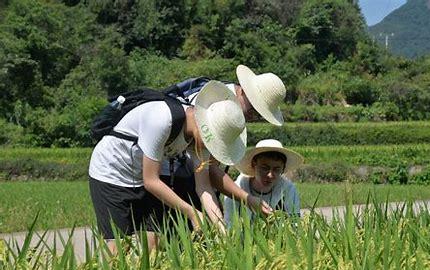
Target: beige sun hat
294	159
221	122
265	92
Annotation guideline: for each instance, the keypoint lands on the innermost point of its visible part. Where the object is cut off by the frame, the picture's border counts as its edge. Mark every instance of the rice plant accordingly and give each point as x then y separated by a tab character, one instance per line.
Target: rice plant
374	238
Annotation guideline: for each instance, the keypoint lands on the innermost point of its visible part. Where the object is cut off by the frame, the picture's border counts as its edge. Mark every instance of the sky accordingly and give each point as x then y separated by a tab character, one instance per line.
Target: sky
375	10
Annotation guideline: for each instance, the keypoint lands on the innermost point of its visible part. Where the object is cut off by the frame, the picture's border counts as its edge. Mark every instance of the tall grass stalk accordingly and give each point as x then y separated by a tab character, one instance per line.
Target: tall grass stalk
374	238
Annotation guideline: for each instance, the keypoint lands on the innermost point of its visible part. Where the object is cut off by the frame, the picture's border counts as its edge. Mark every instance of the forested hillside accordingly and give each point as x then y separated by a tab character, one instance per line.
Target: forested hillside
59	60
408	29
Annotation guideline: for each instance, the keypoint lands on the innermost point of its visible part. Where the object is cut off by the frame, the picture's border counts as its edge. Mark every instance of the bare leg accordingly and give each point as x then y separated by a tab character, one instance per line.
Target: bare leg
152	240
112	246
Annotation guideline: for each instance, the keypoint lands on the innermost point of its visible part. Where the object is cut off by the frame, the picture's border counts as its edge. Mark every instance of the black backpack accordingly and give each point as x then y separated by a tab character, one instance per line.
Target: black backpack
174	96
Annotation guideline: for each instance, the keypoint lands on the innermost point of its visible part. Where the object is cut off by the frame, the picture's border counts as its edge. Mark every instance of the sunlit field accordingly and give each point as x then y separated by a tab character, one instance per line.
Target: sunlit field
373	239
66	204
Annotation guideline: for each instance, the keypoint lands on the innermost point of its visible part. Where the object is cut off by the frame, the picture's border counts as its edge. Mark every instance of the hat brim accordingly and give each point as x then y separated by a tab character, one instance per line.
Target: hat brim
247	79
226	153
294	160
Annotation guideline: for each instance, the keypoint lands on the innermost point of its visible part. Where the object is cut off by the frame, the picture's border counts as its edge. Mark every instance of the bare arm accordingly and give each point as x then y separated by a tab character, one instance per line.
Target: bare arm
153	184
223	182
208	198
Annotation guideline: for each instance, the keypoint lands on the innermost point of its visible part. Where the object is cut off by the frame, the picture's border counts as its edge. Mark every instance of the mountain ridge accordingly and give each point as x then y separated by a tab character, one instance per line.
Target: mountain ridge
407	29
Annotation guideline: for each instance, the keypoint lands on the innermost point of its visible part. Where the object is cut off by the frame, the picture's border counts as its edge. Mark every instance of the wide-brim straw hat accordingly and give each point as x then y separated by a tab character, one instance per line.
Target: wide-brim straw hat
221	122
294	160
265	92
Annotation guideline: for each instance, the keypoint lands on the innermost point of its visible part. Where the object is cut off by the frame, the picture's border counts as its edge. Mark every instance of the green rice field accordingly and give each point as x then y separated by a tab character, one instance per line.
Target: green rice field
66	204
373	240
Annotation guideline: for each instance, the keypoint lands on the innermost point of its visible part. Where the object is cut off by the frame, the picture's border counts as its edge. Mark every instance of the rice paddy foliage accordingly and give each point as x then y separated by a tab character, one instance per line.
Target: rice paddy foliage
68	204
331	133
72	164
374	238
373	155
367	155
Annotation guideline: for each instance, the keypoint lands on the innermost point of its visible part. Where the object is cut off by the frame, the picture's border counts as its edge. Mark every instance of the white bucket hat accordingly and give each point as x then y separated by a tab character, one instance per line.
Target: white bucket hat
221	122
294	159
265	92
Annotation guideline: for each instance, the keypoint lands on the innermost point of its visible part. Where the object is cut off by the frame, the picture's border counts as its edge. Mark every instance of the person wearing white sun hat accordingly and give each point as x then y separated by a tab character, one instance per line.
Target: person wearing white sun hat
257	94
125	184
262	174
265	92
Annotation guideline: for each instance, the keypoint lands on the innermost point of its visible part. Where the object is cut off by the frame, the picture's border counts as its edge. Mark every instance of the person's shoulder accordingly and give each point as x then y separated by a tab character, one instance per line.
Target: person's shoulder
154	110
242	180
286	183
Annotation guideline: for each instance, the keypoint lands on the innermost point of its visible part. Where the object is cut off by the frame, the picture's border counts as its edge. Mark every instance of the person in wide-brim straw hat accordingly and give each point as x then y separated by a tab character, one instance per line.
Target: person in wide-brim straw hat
293	159
263	174
221	123
265	92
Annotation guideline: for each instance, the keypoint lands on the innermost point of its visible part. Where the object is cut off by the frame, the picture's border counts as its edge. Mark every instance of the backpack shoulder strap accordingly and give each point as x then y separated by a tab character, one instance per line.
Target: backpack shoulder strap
178	117
176	110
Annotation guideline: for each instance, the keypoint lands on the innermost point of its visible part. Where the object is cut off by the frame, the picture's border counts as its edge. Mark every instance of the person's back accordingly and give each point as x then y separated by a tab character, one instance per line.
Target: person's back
119	161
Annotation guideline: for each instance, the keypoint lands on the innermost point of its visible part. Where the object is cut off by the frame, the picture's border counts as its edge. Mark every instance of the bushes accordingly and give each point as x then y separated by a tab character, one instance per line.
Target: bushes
66	127
11	134
376	113
32	169
159	72
398	92
23	169
342	133
341	171
374	164
337	172
422	177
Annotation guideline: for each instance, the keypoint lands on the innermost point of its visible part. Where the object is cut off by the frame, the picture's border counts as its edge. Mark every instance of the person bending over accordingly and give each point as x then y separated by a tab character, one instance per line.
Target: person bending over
125	176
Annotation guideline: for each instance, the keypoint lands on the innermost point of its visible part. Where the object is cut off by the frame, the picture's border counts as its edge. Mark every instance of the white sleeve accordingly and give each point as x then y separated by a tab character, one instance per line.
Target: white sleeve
153	132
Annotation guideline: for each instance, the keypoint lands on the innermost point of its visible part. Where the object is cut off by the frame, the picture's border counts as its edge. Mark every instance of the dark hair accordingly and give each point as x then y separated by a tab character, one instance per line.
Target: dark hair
272	155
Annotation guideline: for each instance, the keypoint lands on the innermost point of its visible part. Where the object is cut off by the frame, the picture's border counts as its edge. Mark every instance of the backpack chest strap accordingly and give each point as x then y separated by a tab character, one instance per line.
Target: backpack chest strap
123	136
178	118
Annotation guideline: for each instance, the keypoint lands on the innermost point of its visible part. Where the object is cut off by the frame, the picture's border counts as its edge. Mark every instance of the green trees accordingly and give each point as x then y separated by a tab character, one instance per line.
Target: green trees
41	45
60	59
332	26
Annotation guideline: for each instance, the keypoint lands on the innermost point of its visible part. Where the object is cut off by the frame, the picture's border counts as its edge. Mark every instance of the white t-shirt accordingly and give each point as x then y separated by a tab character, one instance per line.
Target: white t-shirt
284	192
119	162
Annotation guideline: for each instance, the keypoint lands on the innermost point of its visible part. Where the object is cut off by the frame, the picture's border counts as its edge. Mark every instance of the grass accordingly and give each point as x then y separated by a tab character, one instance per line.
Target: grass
59	204
65	204
334	194
61	155
372	240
